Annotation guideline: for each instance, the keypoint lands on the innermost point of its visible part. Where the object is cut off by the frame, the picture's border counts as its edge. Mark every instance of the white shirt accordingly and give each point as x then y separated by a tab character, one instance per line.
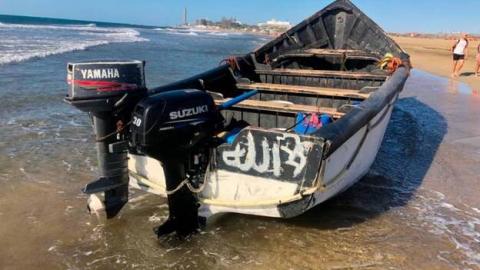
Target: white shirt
460	47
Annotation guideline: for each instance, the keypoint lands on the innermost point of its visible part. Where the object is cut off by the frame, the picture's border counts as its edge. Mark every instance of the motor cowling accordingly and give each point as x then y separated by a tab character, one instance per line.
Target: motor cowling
173	121
105	86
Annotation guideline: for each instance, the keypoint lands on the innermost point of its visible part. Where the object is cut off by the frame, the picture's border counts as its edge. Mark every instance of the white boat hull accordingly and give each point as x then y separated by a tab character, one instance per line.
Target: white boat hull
230	192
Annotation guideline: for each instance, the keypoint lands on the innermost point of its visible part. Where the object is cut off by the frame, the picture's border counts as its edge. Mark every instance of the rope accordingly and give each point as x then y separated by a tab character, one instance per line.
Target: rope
390	63
299	122
186	182
189	186
120	128
232	62
171	192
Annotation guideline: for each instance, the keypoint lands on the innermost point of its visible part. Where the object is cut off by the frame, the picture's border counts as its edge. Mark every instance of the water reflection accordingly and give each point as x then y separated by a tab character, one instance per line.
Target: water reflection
457	87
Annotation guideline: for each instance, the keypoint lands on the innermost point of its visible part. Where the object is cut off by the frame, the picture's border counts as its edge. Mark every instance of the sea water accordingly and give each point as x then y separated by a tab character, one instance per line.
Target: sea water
418	208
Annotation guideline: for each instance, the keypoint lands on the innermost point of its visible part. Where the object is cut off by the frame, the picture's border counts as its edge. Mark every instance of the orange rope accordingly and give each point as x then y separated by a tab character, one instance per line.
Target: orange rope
390	63
232	62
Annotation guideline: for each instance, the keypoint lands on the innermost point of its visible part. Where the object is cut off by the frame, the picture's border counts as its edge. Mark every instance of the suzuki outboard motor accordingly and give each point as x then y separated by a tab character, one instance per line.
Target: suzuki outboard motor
177	128
108	91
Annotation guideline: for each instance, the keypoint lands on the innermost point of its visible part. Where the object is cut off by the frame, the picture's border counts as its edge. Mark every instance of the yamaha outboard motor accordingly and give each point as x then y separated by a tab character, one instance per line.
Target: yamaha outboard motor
108	91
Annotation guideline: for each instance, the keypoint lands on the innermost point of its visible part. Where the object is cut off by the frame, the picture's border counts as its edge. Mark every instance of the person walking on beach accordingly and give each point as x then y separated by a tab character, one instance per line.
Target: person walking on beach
460	54
477	69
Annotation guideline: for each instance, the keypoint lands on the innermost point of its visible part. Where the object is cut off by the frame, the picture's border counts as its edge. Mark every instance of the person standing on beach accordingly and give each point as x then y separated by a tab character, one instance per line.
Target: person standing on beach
477	69
460	54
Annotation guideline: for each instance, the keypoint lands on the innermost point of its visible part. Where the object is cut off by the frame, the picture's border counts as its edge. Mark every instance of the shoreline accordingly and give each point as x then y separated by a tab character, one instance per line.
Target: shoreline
433	55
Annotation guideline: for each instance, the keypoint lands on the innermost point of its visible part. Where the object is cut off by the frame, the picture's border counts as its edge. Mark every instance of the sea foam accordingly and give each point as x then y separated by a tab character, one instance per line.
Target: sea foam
460	225
21	42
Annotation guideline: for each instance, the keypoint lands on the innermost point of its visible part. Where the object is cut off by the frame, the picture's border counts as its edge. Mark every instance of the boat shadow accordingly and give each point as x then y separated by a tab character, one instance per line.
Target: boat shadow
412	139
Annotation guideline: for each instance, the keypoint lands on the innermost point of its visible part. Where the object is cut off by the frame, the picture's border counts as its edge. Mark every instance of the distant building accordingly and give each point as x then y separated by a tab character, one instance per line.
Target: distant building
225	23
275	23
274	27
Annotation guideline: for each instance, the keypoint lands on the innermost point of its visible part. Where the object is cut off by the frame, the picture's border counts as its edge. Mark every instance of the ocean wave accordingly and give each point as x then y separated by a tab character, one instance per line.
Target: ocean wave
460	225
192	31
23	56
197	32
178	32
221	34
56	27
22	42
186	33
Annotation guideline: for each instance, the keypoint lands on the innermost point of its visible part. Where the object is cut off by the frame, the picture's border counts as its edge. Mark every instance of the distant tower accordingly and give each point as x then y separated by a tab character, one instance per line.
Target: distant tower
185	18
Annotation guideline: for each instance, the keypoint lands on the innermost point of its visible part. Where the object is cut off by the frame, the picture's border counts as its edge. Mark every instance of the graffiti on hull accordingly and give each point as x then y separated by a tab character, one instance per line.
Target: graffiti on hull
277	155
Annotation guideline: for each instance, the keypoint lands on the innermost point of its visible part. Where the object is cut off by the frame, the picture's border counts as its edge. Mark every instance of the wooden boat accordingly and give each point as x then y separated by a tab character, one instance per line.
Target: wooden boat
312	130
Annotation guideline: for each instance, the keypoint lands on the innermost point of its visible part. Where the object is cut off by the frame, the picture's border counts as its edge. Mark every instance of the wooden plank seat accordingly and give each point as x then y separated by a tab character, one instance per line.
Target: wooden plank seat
322	74
344	54
305	90
282	107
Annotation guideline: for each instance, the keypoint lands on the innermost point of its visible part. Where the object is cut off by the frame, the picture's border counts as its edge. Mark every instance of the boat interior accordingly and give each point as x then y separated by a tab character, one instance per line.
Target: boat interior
322	67
296	85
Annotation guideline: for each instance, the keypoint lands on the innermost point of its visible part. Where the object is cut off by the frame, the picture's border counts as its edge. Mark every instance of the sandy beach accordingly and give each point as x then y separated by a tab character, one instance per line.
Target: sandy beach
434	56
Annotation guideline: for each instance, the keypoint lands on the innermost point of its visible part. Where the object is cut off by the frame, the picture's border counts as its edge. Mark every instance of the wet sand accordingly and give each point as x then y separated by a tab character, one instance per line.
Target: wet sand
435	56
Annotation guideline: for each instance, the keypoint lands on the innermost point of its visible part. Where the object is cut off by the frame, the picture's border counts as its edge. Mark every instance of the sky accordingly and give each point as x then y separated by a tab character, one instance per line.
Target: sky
428	16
